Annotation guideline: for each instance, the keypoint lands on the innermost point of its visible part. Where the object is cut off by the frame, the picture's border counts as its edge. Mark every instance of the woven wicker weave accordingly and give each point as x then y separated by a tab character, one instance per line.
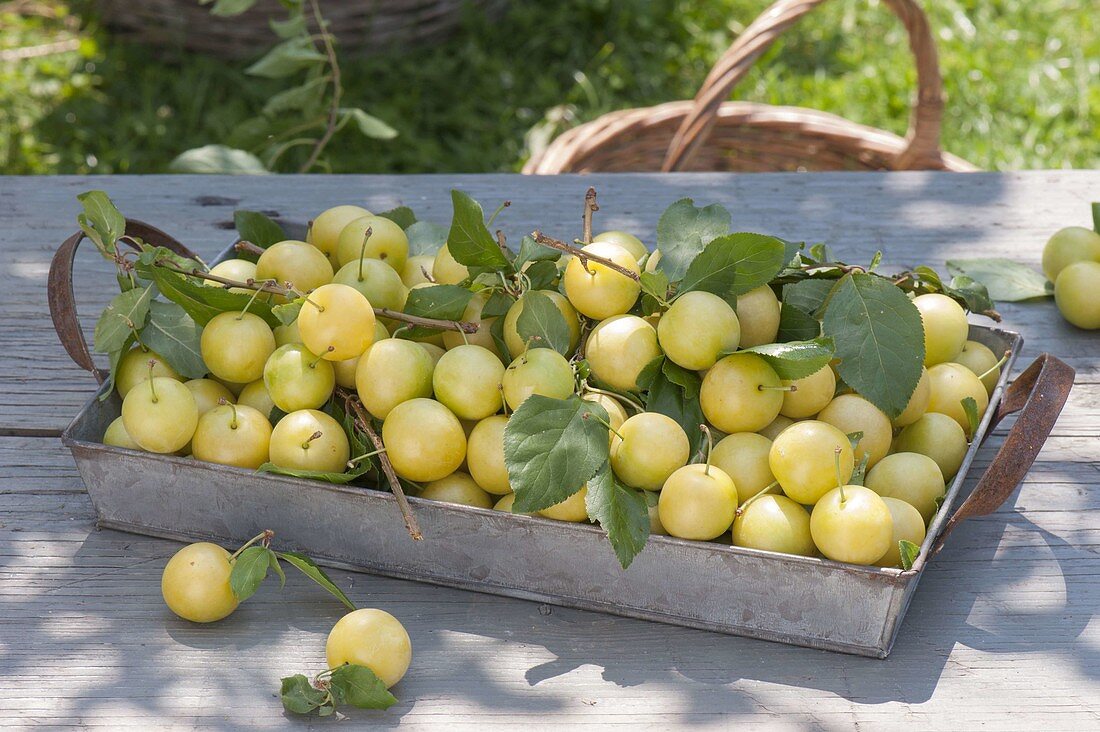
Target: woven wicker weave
709	134
361	25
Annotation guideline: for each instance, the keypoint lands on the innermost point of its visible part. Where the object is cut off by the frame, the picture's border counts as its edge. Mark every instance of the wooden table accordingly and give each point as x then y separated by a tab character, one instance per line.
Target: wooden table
1001	633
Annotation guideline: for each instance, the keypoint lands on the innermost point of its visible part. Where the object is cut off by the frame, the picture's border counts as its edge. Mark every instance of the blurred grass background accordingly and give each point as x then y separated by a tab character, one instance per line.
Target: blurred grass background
1021	79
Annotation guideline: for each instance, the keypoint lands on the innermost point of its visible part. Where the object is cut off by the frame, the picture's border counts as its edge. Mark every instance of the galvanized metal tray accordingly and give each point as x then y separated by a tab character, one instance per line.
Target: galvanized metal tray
710	585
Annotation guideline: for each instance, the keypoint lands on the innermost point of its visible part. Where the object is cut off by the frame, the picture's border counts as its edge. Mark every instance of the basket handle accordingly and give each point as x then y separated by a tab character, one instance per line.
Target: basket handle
923	138
62	299
1038	394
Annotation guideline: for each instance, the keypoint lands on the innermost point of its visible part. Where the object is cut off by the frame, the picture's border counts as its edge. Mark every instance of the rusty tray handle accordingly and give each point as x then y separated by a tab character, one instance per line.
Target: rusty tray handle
1038	394
62	299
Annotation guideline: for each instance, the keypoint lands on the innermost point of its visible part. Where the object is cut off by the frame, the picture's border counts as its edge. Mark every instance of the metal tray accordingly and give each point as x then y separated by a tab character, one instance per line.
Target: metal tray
710	585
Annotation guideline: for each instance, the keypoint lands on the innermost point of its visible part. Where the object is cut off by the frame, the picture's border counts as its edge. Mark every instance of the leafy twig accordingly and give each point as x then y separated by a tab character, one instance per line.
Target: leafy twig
584	256
590	207
337	91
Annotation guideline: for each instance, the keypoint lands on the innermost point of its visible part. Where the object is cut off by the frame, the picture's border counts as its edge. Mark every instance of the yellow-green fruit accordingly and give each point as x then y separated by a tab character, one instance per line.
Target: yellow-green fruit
937	436
337	323
918	401
387	242
484	335
457	488
852	524
774	524
811	394
117	435
232	434
303	266
697	329
288	333
1075	292
446	270
485	455
195	583
255	395
656	528
981	360
1068	246
950	384
908	526
775	427
803	459
598	291
345	371
741	393
619	348
648	448
238	270
697	502
297	379
418	270
393	371
133	368
310	440
910	477
372	638
758	315
377	282
852	413
207	393
626	240
512	338
539	371
945	327
744	458
572	509
434	352
424	440
324	231
235	346
160	414
505	503
467	380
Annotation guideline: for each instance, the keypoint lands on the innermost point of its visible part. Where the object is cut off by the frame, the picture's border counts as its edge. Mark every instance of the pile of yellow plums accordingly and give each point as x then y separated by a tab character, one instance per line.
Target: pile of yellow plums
1071	260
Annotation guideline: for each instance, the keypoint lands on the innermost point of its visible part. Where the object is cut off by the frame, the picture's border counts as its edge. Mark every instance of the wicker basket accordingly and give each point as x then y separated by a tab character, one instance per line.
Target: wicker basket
709	134
360	25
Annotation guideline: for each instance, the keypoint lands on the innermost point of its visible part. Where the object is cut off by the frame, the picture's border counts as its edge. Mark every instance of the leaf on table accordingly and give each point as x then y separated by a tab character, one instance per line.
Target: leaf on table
172	333
258	228
101	221
469	239
551	449
425	238
734	264
621	511
360	687
541	324
249	570
310	569
684	230
796	359
1004	279
217	160
879	339
796	325
909	553
403	216
299	695
970	409
123	315
441	302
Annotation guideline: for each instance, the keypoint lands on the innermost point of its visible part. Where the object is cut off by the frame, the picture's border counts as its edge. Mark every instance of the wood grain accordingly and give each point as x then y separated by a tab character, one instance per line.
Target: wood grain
1001	633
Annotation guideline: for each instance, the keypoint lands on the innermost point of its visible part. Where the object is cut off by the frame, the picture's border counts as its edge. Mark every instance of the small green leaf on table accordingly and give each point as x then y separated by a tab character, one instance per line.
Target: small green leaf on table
360	687
310	569
1004	279
469	239
909	553
125	314
796	359
541	324
171	332
300	696
621	511
684	230
249	570
258	228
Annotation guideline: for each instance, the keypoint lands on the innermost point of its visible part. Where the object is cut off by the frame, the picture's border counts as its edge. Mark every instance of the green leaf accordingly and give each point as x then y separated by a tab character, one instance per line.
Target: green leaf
356	439
808	295
1004	279
621	511
970	408
442	302
541	275
257	228
249	570
326	477
425	238
1096	217
879	340
203	302
655	284
277	568
671	400
403	216
229	8
551	449
974	294
360	687
303	97
288	57
938	501
734	264
217	160
689	381
497	331
909	553
499	303
100	220
294	25
860	472
124	315
854	438
299	696
310	569
542	323
531	251
171	332
368	125
683	231
796	325
287	312
469	239
116	356
796	359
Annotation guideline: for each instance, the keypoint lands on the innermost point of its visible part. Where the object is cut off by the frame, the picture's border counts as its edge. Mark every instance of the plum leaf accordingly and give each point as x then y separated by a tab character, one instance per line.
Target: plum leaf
684	230
621	511
541	324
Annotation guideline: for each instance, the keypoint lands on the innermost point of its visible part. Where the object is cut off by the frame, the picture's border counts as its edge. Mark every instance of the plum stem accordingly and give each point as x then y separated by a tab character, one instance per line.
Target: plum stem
590	207
152	386
363	250
605	423
763	492
613	395
364	456
315	436
250	301
710	447
995	366
788	387
265	536
503	205
836	466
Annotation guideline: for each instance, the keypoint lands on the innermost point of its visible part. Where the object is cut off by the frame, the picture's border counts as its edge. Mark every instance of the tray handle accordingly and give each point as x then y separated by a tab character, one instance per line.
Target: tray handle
62	299
1038	394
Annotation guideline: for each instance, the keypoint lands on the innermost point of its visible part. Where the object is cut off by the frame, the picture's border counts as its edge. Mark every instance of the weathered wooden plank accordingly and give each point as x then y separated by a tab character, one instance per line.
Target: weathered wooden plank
915	217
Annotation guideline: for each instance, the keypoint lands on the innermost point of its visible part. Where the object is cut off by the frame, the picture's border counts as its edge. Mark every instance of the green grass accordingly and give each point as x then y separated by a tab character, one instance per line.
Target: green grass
1020	77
